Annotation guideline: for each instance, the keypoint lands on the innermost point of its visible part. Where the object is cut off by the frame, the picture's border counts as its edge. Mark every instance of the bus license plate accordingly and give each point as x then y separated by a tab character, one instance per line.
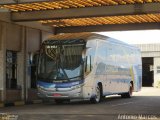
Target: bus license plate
57	95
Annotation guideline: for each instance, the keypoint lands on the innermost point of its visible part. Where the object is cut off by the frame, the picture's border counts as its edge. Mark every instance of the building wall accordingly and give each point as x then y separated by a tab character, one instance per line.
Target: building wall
152	50
25	41
13	37
149	47
157	72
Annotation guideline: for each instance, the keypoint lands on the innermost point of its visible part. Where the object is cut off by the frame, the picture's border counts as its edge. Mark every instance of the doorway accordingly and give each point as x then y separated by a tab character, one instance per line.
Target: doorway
147	71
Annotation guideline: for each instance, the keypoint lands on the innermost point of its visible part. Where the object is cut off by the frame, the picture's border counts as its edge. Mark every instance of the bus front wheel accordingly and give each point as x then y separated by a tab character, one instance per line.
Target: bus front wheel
97	97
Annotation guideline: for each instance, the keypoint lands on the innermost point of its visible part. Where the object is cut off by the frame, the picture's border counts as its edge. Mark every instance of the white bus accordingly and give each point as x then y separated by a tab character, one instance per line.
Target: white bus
87	66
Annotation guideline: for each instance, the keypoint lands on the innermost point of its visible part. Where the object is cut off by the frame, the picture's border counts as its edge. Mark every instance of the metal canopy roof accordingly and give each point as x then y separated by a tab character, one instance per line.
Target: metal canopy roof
145	18
66	4
71	14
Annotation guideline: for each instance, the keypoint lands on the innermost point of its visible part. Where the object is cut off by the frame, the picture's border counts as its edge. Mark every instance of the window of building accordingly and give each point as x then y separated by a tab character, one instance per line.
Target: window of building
11	69
158	69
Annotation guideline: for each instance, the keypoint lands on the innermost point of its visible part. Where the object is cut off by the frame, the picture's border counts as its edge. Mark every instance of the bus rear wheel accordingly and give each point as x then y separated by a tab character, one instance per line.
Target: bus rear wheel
97	97
129	93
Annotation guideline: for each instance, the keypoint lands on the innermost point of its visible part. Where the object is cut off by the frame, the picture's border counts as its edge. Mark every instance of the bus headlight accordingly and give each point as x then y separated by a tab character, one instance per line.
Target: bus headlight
76	87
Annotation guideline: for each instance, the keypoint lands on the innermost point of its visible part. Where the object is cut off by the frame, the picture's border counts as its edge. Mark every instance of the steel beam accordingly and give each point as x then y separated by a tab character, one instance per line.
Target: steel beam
115	27
3	2
86	12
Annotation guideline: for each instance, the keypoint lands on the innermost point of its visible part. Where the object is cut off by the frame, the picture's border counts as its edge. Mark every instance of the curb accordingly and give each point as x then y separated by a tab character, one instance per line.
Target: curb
16	103
20	103
37	101
34	102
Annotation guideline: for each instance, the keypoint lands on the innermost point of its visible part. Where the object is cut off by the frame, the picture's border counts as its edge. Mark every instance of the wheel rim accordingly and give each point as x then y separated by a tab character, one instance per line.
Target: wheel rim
97	97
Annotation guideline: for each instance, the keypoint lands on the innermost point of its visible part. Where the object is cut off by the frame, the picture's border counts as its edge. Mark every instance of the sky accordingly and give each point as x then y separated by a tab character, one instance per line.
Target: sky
135	37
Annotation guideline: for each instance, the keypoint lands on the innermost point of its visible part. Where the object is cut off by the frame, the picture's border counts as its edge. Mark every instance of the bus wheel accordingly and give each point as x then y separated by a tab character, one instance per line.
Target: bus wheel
97	97
129	93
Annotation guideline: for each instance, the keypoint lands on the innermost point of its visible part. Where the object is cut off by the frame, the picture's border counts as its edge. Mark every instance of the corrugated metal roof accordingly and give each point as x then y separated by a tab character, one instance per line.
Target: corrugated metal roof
104	20
66	4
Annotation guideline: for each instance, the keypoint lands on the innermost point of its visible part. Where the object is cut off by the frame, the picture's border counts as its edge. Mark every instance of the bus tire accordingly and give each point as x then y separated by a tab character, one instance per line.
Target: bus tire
97	97
129	93
101	92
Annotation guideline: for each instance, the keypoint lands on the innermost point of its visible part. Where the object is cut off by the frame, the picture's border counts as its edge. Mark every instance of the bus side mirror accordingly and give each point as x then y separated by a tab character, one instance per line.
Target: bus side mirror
84	54
88	66
85	51
31	55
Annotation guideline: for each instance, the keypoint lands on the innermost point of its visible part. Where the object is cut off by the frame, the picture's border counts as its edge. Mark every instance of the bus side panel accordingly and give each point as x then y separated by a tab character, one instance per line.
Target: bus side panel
88	90
137	71
101	74
137	78
118	58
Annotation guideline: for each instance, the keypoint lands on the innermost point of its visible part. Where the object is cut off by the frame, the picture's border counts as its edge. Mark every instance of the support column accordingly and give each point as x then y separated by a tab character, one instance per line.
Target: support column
3	32
22	64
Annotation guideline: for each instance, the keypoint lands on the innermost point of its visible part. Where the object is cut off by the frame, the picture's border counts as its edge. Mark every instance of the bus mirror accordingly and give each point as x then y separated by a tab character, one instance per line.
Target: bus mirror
88	64
84	53
33	58
31	55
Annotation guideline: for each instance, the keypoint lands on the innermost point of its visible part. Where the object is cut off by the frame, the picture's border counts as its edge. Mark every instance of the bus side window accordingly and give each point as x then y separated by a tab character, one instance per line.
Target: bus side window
88	64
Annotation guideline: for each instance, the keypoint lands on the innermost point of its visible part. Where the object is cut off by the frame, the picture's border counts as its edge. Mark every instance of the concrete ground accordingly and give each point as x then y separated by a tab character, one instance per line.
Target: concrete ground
144	105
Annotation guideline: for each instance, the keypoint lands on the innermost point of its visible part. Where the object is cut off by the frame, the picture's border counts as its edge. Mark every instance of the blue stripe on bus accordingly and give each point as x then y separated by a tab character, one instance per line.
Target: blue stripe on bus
59	85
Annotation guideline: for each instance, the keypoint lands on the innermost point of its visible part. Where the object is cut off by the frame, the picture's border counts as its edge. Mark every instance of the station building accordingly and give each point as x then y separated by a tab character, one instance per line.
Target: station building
19	44
150	64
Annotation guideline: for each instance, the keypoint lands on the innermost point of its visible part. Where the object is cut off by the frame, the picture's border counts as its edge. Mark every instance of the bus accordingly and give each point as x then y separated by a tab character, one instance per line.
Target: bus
87	66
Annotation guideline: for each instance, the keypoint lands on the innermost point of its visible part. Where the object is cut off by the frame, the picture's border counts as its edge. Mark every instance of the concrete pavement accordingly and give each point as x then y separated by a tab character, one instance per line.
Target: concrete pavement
143	105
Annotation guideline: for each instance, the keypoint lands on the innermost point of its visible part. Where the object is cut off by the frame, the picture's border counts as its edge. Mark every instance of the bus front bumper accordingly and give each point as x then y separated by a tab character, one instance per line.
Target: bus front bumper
60	93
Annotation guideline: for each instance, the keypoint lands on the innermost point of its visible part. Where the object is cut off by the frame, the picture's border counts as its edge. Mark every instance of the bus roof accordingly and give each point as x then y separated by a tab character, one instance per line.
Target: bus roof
71	36
83	36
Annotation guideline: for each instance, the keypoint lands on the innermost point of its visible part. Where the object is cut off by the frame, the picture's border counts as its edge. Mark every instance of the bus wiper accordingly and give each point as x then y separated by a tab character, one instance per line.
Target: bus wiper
65	73
77	78
59	61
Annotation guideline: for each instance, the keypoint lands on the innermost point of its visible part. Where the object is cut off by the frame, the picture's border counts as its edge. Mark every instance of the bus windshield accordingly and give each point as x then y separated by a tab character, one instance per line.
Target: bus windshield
60	63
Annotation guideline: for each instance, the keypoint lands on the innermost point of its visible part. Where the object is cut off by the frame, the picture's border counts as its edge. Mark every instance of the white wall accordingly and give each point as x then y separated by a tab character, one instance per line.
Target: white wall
152	50
156	75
